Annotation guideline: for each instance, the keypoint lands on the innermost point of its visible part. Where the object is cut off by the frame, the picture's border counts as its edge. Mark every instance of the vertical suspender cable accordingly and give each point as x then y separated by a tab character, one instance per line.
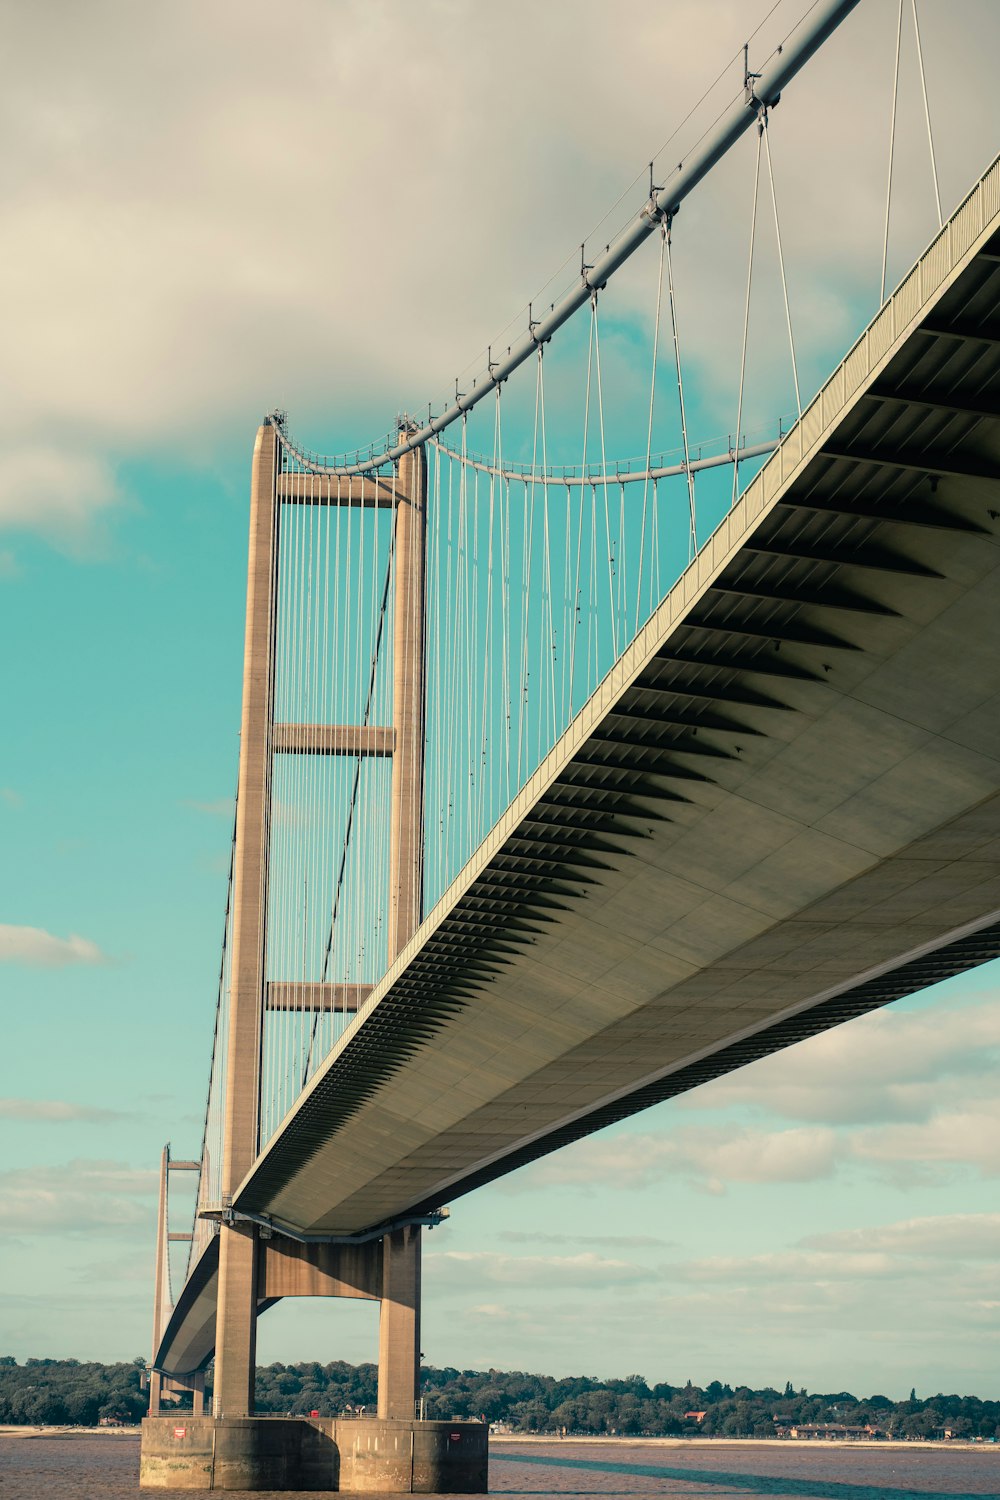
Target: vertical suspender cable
746	318
649	428
892	147
607	512
679	368
487	663
927	115
781	265
507	685
549	643
579	533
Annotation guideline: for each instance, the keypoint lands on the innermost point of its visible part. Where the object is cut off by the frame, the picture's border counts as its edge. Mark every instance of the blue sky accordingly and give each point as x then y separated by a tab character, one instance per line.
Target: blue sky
749	1232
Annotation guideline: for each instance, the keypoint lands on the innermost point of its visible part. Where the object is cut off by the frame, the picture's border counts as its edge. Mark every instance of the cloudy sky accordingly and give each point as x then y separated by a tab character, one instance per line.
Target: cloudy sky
213	209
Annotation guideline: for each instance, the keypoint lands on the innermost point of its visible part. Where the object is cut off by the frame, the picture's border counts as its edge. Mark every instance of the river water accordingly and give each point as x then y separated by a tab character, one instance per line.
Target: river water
88	1467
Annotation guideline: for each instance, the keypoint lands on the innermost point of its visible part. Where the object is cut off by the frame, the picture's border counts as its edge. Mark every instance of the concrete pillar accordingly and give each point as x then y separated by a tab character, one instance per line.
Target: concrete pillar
236	1321
197	1384
160	1283
399	1325
399	1318
406	835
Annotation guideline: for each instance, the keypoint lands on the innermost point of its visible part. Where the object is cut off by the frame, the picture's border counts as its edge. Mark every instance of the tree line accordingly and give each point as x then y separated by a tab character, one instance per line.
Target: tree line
68	1391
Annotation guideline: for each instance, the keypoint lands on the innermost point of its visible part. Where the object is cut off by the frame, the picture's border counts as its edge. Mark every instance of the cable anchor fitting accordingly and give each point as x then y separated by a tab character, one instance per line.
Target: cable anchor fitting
749	79
652	210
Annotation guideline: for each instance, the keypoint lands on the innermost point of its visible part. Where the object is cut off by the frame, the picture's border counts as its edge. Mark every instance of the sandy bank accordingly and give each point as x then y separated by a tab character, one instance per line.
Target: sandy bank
64	1432
955	1445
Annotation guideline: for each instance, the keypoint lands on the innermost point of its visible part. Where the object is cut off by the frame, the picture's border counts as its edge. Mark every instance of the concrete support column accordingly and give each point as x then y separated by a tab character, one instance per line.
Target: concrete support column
236	1324
406	836
399	1318
236	1320
197	1383
160	1284
399	1325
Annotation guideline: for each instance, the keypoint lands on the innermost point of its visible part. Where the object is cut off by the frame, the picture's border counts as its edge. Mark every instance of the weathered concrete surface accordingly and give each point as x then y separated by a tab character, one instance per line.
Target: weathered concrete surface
406	841
314	1453
399	1323
236	1334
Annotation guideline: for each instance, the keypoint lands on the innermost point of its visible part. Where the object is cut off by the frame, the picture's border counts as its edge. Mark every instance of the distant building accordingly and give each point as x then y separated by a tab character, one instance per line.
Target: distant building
829	1432
695	1416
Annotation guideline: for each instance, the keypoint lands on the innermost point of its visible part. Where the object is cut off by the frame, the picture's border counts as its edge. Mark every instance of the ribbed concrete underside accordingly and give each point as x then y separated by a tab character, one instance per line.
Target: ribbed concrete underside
781	809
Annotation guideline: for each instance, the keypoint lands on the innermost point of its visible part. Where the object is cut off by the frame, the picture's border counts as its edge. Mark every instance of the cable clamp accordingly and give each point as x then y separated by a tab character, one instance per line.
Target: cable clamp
749	79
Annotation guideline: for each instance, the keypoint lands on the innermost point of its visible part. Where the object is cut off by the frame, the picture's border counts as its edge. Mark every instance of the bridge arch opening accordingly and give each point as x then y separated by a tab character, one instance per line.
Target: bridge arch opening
314	1330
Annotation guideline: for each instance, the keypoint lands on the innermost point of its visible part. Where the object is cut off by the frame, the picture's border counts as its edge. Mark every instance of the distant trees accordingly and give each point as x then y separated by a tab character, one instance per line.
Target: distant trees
46	1391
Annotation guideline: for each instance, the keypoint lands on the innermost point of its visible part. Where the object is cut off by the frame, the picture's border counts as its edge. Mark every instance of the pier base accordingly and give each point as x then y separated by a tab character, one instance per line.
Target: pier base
365	1455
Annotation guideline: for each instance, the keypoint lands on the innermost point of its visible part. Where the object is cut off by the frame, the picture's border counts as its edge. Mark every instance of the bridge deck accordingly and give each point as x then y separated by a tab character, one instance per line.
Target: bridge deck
782	807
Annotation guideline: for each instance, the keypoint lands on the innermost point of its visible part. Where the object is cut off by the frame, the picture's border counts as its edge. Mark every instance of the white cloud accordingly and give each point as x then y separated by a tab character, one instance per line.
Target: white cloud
783	1266
967	1137
921	1249
206	235
40	949
949	1237
711	1156
219	807
57	492
56	1110
606	1241
887	1066
714	1157
585	1269
82	1196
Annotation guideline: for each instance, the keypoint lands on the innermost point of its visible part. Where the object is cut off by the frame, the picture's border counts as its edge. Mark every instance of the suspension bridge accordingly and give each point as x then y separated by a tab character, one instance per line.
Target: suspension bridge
561	793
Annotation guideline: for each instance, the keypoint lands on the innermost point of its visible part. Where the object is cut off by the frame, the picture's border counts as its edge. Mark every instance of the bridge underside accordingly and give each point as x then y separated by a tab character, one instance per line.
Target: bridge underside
782	809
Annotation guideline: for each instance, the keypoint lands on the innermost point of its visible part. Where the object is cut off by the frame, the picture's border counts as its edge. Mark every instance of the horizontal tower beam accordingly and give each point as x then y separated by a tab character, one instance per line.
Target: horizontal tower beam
286	994
329	489
333	739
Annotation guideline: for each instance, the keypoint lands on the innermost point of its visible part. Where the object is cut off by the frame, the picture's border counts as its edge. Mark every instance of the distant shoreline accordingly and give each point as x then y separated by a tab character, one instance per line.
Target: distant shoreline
14	1431
952	1445
799	1444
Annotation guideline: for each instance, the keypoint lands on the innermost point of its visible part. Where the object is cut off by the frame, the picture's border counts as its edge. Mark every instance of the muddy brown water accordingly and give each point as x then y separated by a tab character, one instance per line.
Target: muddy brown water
87	1467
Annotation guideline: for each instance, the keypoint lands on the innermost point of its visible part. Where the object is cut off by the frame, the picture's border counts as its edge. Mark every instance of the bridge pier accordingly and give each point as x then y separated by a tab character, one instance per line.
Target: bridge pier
236	1323
399	1325
361	1455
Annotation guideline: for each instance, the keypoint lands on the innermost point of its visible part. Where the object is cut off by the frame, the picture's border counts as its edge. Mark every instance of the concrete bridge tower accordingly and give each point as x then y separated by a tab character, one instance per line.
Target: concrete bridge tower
392	1270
